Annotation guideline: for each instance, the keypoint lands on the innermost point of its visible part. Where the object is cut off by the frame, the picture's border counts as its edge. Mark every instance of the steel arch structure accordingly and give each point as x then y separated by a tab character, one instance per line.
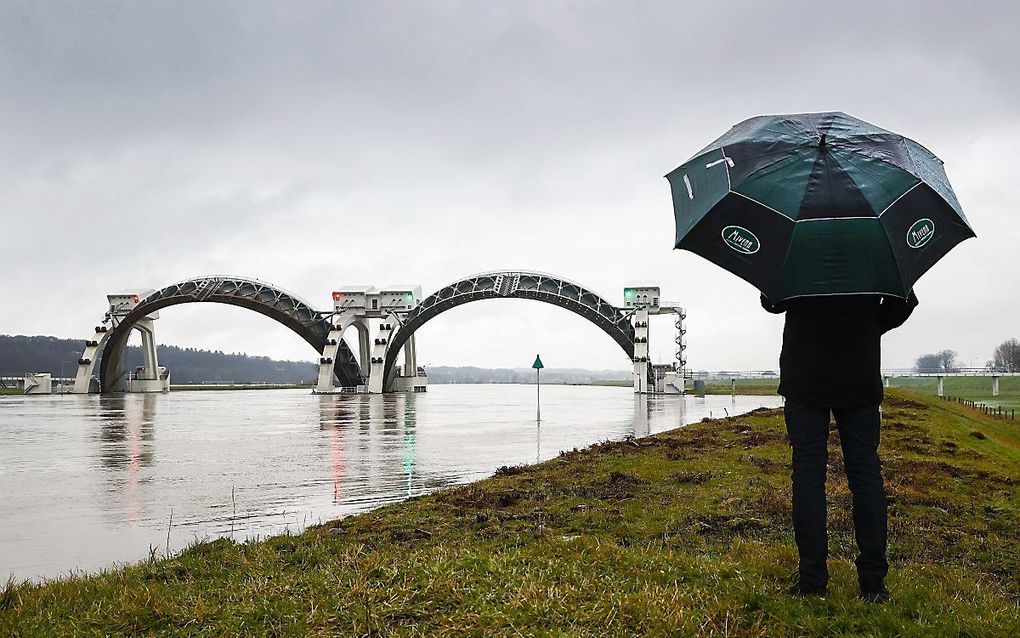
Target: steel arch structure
513	285
263	298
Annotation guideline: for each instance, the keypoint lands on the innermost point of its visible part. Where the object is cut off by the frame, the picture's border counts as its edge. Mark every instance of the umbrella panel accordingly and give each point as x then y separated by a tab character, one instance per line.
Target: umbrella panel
922	227
745	238
839	256
879	182
697	187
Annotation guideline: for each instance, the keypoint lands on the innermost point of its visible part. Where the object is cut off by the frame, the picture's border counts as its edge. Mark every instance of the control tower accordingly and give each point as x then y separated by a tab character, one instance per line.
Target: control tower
644	300
148	377
375	313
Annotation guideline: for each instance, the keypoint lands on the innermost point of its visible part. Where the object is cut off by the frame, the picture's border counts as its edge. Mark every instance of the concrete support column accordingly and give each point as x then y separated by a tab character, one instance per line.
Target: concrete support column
733	386
150	362
364	343
995	386
941	392
87	362
641	351
410	358
377	360
885	380
327	358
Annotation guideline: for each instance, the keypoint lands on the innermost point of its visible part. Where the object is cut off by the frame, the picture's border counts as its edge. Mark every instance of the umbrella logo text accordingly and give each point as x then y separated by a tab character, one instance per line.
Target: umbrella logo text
920	232
741	240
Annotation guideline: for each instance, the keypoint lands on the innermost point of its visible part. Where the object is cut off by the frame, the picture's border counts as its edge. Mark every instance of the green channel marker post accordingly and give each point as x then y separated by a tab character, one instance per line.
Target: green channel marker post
538	384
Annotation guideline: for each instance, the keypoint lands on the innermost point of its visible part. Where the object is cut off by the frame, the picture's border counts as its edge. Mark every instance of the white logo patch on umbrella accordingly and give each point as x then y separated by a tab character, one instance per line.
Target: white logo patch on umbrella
741	240
920	232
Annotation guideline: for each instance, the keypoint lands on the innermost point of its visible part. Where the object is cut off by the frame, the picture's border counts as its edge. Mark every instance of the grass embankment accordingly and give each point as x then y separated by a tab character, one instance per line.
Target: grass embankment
743	386
615	383
11	391
973	388
683	533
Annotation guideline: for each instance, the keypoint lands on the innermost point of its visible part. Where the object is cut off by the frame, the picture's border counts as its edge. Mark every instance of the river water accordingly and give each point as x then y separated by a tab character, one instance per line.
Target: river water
88	482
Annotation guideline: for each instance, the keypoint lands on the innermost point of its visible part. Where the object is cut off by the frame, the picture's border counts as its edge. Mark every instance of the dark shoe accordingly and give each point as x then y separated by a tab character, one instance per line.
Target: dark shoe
875	594
801	589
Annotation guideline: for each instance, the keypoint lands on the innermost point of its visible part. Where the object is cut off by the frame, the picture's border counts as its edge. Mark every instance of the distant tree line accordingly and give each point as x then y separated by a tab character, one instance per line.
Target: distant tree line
1006	358
21	354
941	361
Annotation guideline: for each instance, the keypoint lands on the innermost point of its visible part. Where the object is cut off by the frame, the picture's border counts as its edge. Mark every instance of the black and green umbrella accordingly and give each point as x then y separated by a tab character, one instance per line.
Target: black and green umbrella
817	204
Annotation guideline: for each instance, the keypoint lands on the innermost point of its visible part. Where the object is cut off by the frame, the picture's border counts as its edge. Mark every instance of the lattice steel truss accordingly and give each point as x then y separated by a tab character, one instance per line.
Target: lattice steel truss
310	324
514	285
681	341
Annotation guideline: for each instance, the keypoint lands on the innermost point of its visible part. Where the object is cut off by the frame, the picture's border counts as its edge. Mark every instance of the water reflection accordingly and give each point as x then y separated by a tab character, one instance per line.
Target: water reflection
127	431
377	425
126	438
93	480
409	443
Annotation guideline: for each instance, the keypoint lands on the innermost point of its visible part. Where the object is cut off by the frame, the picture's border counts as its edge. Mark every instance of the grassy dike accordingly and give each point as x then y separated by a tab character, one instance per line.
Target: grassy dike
744	386
973	388
684	533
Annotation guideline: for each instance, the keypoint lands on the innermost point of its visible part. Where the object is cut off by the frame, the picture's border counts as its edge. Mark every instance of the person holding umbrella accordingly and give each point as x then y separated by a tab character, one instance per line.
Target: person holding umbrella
833	219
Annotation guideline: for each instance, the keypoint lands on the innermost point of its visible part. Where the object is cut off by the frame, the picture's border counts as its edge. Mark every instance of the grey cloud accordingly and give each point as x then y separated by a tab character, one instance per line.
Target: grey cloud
165	139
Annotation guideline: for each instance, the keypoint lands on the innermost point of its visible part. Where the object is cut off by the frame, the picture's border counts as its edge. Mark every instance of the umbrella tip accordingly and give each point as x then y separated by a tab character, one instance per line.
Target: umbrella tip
821	142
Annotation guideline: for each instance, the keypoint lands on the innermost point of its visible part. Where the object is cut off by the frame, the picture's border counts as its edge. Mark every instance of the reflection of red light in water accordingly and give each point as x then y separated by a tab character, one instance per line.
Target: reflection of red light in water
336	456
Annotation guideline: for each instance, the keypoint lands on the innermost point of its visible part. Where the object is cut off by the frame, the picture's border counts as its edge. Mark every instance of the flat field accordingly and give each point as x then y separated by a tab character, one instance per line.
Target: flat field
973	388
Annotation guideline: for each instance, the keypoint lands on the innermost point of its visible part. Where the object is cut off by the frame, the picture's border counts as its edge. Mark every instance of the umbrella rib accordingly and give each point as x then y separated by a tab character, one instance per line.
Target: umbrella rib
863	169
896	260
913	170
763	205
816	219
900	197
726	165
828	219
708	150
843	294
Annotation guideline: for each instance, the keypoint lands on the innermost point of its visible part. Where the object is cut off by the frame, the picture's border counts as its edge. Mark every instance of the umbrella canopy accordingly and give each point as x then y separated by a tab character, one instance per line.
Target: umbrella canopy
817	204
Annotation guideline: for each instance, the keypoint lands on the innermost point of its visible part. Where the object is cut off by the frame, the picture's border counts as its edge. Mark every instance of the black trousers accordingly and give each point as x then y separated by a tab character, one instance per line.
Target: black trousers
808	429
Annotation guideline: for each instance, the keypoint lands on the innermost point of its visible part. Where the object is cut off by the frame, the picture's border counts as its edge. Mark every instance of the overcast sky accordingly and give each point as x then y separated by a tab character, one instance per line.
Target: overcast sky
320	144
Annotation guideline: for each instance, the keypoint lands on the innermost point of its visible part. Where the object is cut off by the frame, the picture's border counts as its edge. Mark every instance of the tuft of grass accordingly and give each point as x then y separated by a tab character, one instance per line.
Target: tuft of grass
683	533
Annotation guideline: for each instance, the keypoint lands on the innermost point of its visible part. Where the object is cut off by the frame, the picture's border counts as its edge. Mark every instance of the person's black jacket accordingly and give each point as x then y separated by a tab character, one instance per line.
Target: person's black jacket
832	351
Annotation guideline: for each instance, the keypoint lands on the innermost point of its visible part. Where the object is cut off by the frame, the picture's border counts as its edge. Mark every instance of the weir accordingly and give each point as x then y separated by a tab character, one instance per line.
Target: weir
384	321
